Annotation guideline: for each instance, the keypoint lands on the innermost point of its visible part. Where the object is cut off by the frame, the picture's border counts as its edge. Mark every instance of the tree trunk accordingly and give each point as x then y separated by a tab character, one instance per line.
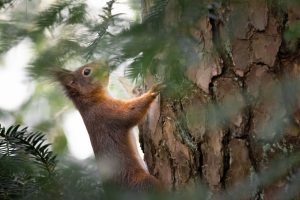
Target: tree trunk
243	113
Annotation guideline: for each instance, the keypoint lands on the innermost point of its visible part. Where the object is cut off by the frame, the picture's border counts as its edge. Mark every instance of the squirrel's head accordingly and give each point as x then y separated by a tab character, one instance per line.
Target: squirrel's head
86	81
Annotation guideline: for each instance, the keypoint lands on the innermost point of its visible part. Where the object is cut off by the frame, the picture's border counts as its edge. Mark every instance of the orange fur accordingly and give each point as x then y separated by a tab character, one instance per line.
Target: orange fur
109	122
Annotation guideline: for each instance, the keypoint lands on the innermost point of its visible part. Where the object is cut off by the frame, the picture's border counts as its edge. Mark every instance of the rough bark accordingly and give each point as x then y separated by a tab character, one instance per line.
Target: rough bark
242	58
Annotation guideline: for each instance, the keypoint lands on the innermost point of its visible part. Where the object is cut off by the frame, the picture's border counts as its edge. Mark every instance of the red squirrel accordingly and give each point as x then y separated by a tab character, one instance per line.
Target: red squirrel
109	122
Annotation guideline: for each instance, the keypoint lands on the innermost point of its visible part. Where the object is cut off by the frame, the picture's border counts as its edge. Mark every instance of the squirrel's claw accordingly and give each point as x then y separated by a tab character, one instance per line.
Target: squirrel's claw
157	88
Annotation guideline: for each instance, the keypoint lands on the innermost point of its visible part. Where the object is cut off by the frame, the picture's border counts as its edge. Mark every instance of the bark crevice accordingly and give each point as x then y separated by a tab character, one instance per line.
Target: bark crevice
226	158
181	124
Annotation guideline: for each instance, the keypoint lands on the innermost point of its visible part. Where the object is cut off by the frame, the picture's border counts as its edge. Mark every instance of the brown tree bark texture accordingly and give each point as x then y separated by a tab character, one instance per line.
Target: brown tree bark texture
181	149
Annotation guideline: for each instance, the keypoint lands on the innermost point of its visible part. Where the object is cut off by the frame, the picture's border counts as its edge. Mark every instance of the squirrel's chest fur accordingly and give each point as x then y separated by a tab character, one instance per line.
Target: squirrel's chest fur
114	145
109	122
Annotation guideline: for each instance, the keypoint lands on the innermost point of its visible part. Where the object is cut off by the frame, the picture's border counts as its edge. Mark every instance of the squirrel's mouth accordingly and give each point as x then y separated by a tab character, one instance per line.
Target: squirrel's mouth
64	76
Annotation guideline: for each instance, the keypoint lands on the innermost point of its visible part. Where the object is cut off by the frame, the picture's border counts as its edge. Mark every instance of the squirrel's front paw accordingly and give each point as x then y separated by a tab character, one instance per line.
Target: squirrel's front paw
156	89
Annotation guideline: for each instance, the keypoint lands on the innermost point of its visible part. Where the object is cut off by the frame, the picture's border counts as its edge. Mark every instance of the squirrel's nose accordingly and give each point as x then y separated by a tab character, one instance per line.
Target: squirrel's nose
61	75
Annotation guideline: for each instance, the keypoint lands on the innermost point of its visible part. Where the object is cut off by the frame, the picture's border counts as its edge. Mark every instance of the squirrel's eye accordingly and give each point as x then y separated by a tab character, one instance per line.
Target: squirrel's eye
87	72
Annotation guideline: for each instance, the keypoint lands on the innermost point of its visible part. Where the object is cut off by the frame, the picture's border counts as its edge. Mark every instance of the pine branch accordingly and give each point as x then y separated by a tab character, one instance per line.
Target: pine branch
11	34
4	3
52	15
54	56
33	143
102	28
135	71
77	14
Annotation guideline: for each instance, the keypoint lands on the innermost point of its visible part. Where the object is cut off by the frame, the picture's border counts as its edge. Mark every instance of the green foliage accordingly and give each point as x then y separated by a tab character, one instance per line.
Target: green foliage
32	143
54	56
60	143
5	3
11	34
52	15
101	29
72	35
77	14
71	181
160	53
143	47
25	159
29	170
293	32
